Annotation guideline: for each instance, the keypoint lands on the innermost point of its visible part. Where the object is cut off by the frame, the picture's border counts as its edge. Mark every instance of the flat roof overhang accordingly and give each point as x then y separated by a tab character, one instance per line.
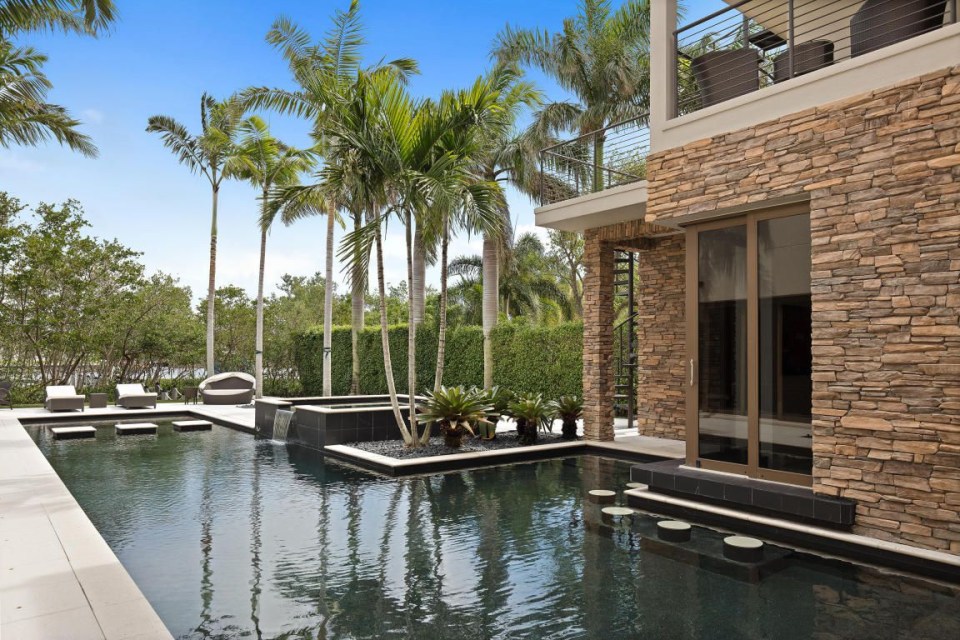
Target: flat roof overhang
623	203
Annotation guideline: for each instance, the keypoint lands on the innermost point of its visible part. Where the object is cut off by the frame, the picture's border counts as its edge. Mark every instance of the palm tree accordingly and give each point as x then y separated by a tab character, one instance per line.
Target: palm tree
323	71
507	156
529	288
601	56
209	153
266	163
84	17
26	118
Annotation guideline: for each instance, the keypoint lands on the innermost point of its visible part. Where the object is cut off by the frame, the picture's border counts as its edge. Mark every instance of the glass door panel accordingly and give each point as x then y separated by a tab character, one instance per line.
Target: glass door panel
722	405
784	343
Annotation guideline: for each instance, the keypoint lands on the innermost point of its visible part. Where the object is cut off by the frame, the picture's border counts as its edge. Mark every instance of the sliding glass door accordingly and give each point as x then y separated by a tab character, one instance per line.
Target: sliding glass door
749	340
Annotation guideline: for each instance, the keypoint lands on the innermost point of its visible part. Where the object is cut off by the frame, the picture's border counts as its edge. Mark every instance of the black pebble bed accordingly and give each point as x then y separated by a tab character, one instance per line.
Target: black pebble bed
395	448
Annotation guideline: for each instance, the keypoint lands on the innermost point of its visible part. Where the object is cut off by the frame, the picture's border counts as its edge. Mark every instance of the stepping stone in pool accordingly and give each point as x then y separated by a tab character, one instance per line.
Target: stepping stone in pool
637	485
602	496
136	428
192	425
743	549
617	511
73	433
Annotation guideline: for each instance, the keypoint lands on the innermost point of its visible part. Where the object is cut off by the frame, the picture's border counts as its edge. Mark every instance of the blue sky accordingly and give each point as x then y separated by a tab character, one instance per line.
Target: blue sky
161	56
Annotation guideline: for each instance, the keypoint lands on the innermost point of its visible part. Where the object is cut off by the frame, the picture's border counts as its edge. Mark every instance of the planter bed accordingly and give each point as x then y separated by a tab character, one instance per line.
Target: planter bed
396	448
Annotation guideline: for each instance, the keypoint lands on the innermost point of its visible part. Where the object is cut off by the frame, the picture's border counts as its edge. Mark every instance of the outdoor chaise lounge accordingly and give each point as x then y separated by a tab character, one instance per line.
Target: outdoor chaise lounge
63	398
228	388
134	396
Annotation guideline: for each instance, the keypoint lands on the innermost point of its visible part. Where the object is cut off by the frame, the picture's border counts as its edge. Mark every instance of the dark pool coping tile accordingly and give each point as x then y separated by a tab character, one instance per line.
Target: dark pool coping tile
850	546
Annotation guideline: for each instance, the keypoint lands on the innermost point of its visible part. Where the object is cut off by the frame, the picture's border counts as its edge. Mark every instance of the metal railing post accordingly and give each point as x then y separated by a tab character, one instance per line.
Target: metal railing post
790	37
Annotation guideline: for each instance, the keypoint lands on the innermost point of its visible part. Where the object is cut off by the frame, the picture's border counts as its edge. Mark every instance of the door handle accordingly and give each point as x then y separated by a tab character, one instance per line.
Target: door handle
693	368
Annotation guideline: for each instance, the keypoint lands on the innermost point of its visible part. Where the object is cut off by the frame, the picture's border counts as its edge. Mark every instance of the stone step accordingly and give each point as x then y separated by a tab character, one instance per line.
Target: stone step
192	425
136	428
73	433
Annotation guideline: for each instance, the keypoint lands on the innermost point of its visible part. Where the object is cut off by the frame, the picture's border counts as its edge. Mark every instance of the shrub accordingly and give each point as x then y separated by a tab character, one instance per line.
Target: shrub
545	360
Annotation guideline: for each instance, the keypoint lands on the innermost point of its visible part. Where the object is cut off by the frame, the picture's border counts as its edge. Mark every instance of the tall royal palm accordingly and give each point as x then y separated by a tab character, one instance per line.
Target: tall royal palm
506	156
267	164
209	154
26	118
322	71
601	56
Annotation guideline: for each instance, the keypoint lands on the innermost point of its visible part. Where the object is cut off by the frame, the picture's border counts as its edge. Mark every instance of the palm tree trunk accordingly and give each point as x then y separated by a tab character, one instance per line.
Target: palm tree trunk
411	339
212	285
357	293
442	332
385	343
598	162
328	303
417	284
491	300
258	347
575	291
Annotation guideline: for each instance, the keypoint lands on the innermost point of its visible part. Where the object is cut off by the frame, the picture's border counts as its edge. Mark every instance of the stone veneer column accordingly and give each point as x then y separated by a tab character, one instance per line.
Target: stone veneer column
661	338
597	338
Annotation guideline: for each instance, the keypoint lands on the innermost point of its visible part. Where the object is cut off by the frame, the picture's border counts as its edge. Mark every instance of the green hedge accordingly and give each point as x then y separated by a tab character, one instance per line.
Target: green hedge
547	360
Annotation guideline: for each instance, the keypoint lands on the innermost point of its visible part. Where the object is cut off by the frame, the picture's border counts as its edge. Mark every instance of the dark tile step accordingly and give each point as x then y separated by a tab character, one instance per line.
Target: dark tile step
776	499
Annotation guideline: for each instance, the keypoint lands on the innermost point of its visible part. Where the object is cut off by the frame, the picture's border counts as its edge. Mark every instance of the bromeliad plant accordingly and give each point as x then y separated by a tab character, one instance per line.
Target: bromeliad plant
458	411
499	400
569	409
530	412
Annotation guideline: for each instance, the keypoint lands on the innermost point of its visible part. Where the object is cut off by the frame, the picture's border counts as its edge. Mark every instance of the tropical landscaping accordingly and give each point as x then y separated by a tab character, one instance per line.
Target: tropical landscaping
379	156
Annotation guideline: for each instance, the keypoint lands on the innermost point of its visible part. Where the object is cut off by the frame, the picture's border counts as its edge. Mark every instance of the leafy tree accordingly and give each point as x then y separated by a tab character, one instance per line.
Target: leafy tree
57	285
566	249
212	153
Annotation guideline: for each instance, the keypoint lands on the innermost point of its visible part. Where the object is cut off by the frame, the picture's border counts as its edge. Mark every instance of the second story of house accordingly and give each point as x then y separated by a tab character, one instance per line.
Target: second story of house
750	62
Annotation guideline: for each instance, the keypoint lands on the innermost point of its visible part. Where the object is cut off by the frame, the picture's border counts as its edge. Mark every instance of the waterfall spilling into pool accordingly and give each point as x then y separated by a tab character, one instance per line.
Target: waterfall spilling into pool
281	425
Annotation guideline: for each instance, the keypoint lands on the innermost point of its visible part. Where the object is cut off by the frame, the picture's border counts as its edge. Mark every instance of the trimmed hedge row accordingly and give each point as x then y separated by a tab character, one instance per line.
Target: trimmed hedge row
546	360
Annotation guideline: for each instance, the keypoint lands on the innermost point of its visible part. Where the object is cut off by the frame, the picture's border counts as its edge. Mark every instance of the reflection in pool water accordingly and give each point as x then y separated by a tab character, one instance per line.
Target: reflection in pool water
230	537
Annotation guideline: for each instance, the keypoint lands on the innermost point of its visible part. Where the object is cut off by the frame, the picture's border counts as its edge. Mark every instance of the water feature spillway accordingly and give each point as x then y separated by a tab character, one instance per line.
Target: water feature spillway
281	425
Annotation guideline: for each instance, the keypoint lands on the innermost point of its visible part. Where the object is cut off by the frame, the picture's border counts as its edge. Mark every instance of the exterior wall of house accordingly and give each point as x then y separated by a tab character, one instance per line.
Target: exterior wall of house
882	174
661	333
598	255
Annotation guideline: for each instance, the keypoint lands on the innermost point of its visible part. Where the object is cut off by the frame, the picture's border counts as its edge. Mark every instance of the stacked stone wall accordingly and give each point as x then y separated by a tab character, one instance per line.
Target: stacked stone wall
882	175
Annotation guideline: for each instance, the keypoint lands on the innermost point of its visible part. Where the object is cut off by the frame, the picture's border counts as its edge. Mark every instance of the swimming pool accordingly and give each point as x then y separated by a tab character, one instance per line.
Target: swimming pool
232	537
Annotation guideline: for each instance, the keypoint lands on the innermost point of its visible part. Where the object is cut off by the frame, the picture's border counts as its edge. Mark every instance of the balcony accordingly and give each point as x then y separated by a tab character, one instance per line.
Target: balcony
596	173
758	60
754	44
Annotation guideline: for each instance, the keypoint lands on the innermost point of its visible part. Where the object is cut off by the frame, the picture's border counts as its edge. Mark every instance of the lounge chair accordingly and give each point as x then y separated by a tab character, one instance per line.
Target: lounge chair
63	398
228	388
134	396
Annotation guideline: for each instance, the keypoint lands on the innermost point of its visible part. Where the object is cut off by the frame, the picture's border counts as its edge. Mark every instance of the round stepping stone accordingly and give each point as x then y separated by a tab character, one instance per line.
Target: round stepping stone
637	485
673	531
617	511
602	496
743	549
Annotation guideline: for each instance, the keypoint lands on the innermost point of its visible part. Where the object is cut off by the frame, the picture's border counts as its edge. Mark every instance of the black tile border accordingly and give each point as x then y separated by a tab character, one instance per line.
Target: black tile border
804	540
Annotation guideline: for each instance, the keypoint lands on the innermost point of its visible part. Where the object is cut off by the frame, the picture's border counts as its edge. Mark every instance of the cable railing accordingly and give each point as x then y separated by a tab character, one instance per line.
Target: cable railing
758	43
599	160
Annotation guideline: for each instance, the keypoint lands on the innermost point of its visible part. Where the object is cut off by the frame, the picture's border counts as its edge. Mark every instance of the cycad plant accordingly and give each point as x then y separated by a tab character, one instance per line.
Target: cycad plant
530	412
458	411
568	409
499	400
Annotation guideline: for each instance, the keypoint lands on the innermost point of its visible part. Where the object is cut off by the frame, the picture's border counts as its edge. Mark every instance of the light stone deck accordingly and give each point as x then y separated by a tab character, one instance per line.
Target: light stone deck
58	577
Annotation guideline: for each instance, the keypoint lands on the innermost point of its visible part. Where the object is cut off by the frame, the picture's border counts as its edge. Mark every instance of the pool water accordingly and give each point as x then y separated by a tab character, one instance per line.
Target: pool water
229	537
